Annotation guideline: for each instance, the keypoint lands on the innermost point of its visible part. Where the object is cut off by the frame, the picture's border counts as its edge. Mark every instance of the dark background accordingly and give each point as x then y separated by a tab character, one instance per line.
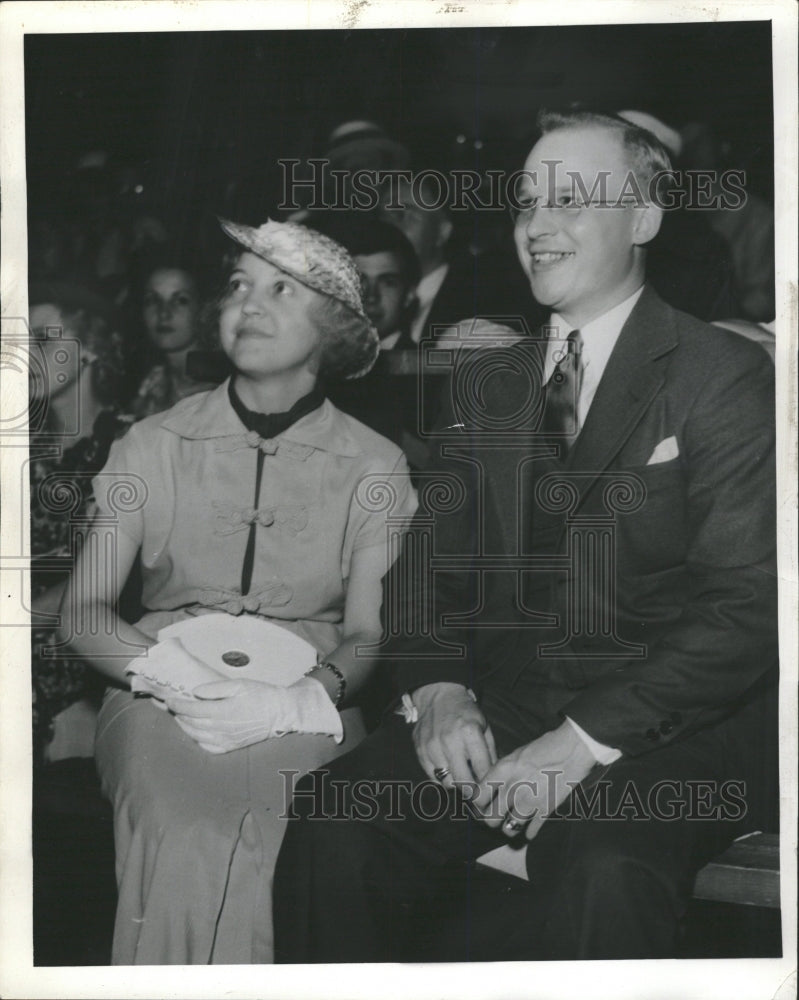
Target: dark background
204	116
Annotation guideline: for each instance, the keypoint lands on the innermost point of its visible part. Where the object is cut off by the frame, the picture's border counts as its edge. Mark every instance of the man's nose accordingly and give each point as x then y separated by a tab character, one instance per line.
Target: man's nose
538	221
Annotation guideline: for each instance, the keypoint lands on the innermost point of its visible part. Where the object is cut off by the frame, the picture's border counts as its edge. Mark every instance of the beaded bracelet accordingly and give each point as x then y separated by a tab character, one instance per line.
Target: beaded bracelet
342	680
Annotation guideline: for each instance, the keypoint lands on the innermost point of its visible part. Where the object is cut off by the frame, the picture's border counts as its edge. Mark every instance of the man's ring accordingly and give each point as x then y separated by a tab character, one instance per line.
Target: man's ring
441	773
514	824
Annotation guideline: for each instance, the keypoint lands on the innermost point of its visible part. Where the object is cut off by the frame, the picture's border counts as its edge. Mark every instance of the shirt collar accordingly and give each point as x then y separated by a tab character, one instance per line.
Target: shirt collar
209	415
430	285
598	337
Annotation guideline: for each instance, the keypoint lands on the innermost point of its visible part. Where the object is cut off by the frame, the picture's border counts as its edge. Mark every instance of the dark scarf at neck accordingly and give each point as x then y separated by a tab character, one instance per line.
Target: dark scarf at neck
266	425
269	425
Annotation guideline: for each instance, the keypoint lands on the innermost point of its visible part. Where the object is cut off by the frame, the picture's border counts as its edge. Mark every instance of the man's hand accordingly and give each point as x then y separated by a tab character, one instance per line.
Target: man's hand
522	789
452	735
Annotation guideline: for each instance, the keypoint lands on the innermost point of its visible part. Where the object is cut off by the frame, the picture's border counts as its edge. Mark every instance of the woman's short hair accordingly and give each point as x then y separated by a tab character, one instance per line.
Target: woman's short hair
94	322
348	346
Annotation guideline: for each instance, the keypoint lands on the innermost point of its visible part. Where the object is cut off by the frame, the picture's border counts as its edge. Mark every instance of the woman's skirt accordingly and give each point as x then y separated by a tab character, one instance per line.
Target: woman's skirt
197	834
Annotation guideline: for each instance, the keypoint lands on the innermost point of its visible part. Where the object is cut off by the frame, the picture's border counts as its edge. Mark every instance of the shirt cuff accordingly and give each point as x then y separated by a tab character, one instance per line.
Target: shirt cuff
603	754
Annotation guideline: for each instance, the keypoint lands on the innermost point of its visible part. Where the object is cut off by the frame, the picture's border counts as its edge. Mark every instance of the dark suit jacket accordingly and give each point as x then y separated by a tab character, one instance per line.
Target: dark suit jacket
694	576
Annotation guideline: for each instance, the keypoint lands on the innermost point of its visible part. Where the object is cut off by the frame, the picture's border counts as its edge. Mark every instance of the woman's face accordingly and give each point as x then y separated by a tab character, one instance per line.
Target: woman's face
171	309
267	321
57	356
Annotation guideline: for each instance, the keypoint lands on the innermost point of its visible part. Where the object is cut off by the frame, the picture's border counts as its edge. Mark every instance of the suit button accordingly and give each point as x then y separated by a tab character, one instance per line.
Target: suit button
666	728
652	734
676	718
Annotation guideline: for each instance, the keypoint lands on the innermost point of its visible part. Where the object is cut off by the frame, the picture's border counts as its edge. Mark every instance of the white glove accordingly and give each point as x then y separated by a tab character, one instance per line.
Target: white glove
168	668
227	715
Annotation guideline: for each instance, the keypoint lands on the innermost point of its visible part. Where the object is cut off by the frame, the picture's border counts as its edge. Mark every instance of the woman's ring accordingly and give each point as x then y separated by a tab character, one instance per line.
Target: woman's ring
514	824
440	773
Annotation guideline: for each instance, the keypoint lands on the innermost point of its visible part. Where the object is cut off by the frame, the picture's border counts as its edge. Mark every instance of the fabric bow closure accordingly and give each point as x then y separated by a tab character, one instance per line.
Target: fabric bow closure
292	518
292	450
274	595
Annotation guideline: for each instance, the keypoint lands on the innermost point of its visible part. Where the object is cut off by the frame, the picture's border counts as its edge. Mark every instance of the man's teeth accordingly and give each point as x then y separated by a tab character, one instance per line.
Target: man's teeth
549	257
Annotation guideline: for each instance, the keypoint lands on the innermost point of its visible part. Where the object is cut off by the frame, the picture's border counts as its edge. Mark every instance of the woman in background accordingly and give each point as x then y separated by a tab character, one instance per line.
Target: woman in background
170	310
76	373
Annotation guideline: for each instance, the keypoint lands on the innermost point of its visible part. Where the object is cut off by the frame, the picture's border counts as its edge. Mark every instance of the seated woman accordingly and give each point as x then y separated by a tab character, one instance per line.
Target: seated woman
244	500
76	372
169	307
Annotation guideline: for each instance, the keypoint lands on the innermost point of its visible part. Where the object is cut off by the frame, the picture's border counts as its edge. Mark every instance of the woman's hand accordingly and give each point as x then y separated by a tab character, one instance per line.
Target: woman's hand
167	668
453	740
229	715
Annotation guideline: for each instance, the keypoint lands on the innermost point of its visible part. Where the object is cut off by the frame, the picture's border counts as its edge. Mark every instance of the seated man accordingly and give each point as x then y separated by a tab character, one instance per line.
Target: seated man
587	666
389	270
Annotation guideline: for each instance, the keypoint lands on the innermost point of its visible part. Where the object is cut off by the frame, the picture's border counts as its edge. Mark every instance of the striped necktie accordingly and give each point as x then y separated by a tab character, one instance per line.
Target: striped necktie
562	392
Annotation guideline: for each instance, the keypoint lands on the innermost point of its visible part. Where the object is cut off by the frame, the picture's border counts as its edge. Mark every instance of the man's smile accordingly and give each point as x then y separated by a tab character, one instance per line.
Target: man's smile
546	258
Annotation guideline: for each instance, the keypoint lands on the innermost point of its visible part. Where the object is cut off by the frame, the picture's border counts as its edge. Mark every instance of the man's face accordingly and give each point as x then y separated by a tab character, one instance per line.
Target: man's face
427	229
581	260
385	289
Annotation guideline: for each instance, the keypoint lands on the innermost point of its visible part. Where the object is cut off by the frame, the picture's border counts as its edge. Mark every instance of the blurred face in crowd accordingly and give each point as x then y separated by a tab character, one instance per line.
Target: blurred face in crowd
427	229
386	290
268	322
171	309
581	259
57	357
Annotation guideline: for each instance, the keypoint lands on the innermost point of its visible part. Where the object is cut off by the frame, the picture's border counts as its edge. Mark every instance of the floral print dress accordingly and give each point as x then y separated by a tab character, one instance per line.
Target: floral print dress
60	494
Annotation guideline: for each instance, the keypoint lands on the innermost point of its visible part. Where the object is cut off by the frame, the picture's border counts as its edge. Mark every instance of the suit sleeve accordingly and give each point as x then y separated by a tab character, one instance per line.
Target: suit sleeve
456	518
725	637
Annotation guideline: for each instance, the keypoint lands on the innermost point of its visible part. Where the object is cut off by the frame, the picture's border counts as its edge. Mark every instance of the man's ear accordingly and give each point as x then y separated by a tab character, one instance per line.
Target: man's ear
647	224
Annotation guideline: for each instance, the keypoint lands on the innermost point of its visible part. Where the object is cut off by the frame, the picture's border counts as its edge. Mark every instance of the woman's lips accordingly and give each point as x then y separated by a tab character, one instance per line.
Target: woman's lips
251	331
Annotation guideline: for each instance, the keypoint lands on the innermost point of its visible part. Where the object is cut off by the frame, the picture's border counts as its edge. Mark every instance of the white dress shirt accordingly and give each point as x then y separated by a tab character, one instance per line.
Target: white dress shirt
426	291
599	338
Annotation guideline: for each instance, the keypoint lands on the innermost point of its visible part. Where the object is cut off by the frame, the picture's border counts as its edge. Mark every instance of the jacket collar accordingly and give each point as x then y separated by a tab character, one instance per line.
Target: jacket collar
634	374
209	415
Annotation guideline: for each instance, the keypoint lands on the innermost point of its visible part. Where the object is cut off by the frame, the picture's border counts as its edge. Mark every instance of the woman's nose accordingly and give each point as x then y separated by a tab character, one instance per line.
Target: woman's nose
252	304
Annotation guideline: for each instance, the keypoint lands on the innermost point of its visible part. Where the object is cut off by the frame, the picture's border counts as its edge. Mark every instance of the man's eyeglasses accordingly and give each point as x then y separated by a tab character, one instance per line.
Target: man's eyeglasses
566	205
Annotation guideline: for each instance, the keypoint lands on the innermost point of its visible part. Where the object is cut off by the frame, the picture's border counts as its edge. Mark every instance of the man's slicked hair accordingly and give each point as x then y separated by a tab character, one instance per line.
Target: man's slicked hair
646	154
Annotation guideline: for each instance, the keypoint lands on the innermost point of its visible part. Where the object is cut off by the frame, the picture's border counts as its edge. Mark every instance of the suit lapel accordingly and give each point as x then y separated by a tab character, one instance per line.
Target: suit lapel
634	375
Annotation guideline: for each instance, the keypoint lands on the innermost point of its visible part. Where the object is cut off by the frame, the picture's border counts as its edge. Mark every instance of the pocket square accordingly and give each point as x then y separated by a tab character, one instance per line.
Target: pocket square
665	451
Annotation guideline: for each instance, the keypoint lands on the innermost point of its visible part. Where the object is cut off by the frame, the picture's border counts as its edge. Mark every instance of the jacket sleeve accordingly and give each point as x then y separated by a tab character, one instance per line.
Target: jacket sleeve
458	518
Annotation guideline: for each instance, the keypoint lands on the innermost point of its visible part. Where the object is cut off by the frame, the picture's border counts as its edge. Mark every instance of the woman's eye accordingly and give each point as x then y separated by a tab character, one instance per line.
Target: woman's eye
183	301
283	288
235	285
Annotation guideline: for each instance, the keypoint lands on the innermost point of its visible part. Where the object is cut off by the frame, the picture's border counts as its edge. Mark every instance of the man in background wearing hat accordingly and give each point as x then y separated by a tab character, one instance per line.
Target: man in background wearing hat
596	685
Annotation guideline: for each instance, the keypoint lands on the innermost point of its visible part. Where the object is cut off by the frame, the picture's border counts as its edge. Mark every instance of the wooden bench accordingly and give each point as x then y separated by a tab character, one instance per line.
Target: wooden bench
747	873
